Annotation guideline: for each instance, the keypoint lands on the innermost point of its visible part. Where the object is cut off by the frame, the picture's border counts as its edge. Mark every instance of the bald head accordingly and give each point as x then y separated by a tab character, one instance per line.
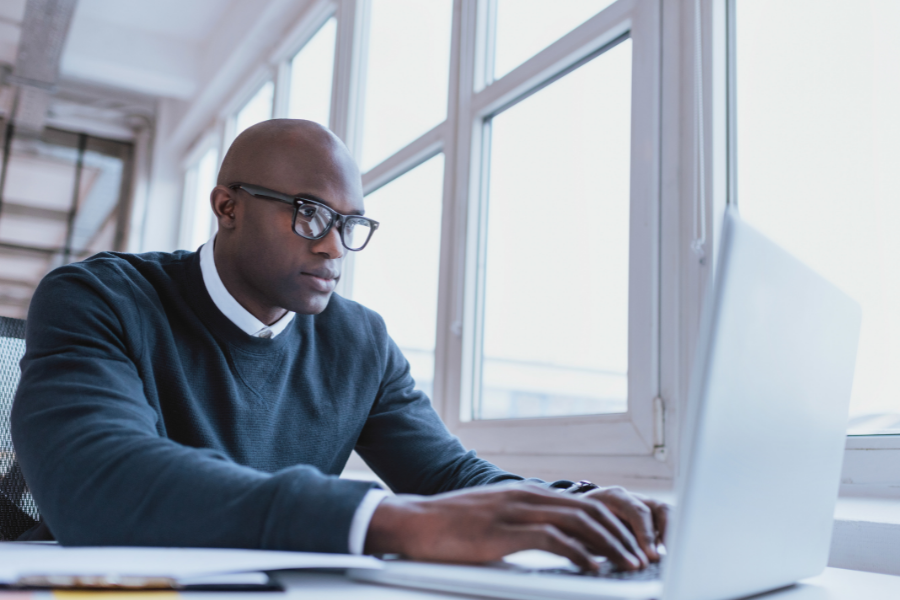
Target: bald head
262	262
264	152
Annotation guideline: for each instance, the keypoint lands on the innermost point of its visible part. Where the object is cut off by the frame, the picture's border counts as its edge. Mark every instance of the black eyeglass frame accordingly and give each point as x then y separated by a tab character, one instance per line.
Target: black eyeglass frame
299	200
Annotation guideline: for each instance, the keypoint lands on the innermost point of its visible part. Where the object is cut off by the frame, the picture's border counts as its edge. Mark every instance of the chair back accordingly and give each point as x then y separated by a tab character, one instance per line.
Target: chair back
18	512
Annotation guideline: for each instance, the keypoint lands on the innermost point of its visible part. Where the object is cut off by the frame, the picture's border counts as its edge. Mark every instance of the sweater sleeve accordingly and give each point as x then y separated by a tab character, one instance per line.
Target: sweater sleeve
101	473
407	445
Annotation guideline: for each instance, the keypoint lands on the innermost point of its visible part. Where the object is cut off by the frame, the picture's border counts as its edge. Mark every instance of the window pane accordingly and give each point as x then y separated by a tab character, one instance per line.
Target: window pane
201	180
396	275
41	177
556	282
406	80
818	149
311	73
525	27
94	228
37	199
258	109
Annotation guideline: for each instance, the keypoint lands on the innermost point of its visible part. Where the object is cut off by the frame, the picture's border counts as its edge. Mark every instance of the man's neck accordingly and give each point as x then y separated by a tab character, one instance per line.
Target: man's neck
241	291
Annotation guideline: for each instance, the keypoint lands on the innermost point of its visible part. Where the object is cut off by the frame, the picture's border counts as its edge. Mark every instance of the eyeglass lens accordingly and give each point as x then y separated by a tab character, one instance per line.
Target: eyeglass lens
356	233
313	220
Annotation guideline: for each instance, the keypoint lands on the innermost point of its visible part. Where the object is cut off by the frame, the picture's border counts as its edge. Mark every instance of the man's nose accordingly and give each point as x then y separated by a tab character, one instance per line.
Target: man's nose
330	245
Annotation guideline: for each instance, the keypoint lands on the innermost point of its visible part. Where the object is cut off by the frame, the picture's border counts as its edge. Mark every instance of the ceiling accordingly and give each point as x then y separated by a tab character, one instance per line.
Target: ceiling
153	47
190	22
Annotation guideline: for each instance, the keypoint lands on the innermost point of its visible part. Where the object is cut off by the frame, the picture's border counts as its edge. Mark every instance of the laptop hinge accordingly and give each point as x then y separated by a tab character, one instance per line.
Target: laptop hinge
659	429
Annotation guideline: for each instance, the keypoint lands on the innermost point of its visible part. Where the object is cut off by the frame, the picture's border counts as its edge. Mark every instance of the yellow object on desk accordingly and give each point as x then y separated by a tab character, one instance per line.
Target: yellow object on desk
106	595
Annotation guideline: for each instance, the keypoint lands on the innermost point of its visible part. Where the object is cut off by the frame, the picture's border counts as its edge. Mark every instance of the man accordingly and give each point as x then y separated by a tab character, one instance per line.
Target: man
211	398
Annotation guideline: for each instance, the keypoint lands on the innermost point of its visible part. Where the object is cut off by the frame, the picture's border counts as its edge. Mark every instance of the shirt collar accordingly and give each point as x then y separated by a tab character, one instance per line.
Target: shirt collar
230	307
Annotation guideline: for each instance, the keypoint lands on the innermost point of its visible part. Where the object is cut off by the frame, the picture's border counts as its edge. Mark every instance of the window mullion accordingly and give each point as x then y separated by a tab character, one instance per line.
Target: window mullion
453	356
348	89
281	96
350	73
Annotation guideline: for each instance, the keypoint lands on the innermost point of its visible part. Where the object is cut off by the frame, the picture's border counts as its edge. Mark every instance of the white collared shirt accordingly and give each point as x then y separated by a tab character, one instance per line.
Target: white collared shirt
250	325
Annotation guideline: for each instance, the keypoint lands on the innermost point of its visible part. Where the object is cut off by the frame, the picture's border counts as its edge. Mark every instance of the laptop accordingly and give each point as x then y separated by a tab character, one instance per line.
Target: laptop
764	435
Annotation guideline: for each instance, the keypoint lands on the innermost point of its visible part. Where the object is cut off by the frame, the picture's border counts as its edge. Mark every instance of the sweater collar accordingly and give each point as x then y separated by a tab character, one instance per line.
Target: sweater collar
230	307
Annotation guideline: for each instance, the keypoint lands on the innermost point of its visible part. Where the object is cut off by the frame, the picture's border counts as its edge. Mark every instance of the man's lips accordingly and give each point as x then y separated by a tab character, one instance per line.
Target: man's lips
321	280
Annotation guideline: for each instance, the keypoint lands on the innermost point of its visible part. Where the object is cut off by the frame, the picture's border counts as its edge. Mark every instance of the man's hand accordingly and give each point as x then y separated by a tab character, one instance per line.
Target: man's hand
645	517
485	524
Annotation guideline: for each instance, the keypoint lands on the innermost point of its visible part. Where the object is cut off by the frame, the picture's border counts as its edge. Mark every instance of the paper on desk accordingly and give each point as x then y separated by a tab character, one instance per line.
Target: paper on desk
18	560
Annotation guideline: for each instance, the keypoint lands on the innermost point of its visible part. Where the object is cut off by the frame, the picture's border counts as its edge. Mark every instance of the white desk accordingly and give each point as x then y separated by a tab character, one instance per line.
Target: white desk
833	584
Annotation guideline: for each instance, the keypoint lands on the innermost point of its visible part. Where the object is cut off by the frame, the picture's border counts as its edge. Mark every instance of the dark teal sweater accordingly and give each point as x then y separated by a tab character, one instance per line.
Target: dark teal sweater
144	416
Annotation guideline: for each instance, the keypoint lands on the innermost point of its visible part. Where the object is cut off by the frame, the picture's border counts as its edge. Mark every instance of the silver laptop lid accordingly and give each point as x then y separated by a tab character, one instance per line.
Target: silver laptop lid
765	424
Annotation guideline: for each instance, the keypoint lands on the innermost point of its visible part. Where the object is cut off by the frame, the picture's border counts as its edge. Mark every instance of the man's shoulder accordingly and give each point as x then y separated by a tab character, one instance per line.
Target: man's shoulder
112	273
350	312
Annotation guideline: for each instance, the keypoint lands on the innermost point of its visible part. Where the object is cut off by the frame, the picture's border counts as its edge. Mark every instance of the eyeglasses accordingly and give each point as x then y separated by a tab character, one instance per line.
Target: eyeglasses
313	220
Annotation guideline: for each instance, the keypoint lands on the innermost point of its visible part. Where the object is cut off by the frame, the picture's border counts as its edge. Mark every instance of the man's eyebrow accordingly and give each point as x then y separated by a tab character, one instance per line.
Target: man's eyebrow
357	213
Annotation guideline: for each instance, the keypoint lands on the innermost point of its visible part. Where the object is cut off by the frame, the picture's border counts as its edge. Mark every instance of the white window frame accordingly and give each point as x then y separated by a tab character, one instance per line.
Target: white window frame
511	442
871	462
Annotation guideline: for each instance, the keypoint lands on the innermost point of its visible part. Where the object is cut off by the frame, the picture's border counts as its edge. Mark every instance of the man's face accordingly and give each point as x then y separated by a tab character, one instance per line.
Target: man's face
284	269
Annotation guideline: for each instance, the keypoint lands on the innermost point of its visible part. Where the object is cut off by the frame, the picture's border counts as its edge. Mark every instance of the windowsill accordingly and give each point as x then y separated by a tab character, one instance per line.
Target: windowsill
866	533
871	509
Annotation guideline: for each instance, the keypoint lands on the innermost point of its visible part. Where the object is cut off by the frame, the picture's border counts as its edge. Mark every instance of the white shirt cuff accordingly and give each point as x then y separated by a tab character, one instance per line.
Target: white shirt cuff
359	526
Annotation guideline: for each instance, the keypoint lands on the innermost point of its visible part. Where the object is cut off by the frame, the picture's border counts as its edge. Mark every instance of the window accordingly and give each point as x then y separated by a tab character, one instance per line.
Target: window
257	109
525	27
818	149
311	74
397	273
555	318
562	364
511	152
474	118
64	199
406	75
199	180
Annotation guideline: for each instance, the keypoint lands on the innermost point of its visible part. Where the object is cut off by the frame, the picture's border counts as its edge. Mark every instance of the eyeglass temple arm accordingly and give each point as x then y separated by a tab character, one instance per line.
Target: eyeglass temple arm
264	196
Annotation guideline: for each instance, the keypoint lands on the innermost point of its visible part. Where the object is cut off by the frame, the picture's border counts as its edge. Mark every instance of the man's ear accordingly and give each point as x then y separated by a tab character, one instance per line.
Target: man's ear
223	201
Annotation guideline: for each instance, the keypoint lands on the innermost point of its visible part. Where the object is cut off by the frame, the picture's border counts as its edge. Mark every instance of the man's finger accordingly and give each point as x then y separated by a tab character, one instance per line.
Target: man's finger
635	513
549	538
584	528
660	518
661	512
597	510
608	519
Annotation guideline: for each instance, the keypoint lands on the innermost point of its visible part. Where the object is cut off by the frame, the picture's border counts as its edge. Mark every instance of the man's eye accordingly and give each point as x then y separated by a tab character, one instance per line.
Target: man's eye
308	212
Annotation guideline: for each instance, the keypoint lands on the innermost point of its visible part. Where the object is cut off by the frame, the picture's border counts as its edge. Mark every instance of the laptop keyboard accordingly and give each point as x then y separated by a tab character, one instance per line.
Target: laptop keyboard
609	571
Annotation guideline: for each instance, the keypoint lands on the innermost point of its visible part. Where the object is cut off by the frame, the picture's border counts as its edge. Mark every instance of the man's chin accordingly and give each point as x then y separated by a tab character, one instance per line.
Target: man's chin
312	305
